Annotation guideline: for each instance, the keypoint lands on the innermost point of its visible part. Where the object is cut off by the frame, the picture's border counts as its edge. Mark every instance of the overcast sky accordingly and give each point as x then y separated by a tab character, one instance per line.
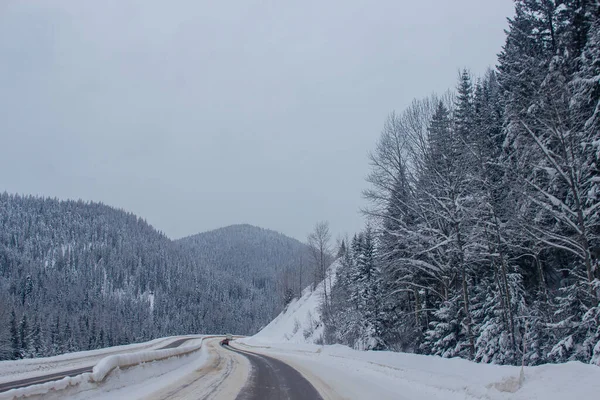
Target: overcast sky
200	114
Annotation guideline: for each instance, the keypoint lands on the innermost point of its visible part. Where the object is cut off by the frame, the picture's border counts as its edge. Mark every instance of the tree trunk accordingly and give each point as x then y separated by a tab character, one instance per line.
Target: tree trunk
465	291
417	307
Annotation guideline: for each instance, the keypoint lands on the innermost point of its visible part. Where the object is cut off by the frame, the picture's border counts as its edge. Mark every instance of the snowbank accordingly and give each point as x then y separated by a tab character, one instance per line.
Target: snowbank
211	372
300	322
44	388
106	365
22	369
103	369
342	372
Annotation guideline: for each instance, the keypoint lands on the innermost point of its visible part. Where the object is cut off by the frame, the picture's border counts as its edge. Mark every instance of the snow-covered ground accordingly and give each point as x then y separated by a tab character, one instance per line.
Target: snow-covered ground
22	369
138	362
300	322
203	370
340	372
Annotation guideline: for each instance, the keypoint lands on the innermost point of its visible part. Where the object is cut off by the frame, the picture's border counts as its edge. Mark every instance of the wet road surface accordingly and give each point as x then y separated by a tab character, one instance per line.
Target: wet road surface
272	379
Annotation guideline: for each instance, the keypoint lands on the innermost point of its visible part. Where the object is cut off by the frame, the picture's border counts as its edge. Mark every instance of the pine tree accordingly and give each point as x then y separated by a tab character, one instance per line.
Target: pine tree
38	348
14	334
336	318
368	290
24	337
463	117
56	342
444	338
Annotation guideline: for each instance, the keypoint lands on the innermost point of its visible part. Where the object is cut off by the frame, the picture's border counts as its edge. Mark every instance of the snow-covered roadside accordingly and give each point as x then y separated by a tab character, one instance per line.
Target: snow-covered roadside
135	382
151	363
342	372
143	380
211	372
22	369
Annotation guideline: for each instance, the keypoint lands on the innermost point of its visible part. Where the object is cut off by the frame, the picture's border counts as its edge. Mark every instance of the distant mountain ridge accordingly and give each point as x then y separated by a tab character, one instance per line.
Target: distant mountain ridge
242	239
254	264
80	275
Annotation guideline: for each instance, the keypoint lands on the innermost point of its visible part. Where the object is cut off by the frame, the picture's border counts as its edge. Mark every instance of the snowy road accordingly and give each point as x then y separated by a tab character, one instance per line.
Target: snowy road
213	372
274	379
229	373
253	369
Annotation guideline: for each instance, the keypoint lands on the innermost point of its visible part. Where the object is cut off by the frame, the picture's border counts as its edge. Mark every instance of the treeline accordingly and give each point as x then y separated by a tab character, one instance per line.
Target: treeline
80	276
485	208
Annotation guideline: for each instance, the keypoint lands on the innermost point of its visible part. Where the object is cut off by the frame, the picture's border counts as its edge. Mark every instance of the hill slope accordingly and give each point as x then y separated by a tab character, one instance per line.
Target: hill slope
255	266
79	276
300	321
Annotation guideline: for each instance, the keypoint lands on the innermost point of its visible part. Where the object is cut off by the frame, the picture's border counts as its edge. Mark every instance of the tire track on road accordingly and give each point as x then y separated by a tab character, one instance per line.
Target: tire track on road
221	377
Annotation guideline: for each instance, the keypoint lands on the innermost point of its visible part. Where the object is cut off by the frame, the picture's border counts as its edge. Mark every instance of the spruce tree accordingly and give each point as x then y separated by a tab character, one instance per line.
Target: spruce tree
14	335
24	337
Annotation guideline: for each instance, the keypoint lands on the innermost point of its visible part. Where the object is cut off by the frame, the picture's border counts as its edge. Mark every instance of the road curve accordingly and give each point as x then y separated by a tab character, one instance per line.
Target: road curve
220	376
73	372
272	379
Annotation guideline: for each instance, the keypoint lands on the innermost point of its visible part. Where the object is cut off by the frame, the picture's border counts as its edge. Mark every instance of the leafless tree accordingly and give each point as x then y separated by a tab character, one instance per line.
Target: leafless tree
319	243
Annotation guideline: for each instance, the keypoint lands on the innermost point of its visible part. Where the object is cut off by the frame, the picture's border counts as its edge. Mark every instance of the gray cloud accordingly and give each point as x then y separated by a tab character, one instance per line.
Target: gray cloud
199	114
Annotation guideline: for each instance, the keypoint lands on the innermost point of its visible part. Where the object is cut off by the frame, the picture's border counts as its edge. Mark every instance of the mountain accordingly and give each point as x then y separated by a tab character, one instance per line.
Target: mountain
255	269
80	275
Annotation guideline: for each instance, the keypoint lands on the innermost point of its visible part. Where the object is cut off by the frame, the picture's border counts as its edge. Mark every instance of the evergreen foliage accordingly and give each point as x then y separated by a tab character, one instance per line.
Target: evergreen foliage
486	207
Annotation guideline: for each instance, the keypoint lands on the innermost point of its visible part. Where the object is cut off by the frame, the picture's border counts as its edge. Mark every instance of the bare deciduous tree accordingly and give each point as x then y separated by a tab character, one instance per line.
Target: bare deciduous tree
319	243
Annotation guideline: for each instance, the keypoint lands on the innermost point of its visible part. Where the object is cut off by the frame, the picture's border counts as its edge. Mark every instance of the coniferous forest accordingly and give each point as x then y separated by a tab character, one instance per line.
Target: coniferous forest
81	276
483	236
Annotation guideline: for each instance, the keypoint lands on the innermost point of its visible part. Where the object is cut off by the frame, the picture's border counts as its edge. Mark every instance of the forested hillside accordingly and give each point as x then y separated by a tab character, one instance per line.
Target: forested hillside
256	271
79	276
484	226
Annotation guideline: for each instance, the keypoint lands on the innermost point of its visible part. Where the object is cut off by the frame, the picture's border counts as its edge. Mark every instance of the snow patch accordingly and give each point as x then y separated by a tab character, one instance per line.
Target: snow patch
510	384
